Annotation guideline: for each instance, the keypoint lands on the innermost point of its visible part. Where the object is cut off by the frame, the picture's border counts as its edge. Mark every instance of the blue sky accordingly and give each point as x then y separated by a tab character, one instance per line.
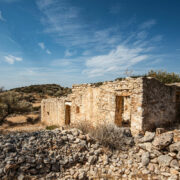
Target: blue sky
80	41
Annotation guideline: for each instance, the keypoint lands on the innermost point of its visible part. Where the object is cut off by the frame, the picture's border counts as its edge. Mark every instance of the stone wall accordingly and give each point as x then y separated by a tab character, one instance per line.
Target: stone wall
159	104
145	103
53	111
133	89
97	105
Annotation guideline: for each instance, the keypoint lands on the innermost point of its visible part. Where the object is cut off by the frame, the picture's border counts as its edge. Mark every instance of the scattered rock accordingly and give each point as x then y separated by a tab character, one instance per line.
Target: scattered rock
145	159
149	136
164	160
163	140
92	159
175	147
174	163
69	154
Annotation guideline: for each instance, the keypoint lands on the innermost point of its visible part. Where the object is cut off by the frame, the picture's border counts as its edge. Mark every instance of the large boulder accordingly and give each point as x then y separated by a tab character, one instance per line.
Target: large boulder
163	140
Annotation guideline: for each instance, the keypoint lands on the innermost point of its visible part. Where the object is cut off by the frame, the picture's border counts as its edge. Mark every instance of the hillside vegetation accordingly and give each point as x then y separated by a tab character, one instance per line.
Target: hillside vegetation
53	90
26	100
163	76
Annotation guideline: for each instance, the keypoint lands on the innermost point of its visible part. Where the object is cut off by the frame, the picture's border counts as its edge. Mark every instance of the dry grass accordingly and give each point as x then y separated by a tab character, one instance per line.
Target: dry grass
22	128
110	136
29	122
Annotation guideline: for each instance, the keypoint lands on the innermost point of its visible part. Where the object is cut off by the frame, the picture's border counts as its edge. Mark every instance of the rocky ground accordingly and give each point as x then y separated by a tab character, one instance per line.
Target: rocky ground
69	154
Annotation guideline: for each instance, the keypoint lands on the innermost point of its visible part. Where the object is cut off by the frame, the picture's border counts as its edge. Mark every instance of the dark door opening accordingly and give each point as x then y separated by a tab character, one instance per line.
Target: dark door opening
119	110
67	114
178	106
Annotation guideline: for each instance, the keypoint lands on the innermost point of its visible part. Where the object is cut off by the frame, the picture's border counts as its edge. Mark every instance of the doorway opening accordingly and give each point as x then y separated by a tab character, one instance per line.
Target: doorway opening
67	115
178	106
119	110
123	111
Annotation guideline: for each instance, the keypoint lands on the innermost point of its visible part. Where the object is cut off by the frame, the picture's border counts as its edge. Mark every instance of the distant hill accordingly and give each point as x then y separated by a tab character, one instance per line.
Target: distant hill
53	90
25	102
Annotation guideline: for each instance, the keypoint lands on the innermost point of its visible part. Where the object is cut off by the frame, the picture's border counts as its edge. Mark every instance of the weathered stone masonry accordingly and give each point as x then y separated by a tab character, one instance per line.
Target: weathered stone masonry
141	103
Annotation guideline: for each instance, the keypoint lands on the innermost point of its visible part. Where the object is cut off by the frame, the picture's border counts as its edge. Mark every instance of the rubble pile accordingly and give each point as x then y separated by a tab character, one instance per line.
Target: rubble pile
70	154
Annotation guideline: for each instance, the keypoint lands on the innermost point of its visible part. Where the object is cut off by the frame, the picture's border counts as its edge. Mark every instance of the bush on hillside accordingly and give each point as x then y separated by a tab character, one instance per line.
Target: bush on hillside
1	89
12	103
164	76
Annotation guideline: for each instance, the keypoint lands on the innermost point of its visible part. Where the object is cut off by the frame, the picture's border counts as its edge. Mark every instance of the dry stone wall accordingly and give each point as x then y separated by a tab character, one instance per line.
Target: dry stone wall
145	103
159	104
98	104
53	111
95	106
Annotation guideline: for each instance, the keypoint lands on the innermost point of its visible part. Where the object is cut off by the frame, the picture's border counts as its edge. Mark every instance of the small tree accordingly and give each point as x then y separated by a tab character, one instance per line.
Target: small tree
1	89
12	103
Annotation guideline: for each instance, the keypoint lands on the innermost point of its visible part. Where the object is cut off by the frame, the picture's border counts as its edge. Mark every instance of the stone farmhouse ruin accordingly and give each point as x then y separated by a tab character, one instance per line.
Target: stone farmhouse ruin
141	103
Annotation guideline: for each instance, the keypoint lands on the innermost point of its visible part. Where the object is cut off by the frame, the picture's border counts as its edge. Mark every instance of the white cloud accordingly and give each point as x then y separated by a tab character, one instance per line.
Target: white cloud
148	24
116	60
113	48
1	17
65	23
41	45
69	53
48	51
11	59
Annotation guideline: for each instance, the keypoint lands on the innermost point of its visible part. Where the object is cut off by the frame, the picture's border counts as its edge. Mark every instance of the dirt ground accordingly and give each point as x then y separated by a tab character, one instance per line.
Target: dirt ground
19	123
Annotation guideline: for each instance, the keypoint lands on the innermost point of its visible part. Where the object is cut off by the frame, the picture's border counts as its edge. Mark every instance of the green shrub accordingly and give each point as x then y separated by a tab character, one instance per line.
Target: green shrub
164	76
97	84
1	89
31	120
51	127
12	103
36	108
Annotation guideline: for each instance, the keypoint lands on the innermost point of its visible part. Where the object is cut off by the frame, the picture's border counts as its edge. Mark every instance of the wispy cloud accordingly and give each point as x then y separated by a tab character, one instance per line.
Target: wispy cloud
116	60
104	51
48	51
12	59
1	17
157	38
41	45
148	24
65	23
69	53
136	47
